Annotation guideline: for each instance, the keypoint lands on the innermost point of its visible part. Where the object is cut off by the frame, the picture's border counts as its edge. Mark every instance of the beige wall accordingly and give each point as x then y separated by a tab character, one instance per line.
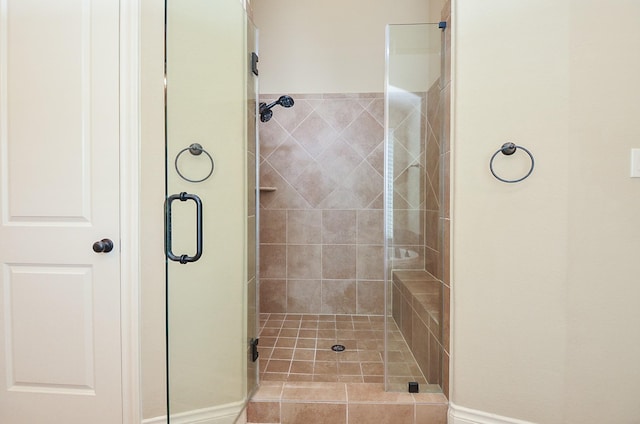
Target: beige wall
414	56
603	290
219	295
202	35
152	192
331	46
545	284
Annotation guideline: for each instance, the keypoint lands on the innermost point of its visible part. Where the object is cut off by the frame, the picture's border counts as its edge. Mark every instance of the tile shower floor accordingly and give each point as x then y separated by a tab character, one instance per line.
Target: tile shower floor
297	347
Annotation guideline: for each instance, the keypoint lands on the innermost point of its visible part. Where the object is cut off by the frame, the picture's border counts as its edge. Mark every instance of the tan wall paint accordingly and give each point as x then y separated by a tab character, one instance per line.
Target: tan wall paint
545	324
603	293
228	227
414	53
206	39
331	46
152	191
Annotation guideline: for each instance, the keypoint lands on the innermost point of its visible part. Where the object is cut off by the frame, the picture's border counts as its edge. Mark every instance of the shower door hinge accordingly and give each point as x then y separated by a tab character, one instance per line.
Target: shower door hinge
254	63
254	349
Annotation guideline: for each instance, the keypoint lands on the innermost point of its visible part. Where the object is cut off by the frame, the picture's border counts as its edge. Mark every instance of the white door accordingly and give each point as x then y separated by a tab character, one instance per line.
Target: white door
60	349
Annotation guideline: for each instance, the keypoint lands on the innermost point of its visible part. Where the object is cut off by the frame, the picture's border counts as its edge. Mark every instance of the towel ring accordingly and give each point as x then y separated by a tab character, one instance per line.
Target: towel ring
195	149
508	149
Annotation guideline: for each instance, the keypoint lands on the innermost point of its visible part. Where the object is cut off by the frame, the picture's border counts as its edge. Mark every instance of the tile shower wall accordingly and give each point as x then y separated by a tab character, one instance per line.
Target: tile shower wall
409	135
321	205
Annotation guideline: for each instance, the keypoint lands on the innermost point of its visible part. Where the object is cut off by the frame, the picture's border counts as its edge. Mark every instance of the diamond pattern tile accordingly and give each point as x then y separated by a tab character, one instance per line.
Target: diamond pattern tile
364	134
290	159
339	113
317	144
315	134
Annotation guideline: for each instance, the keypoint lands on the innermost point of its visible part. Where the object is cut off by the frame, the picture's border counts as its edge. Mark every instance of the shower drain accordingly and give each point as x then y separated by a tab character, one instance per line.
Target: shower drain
338	348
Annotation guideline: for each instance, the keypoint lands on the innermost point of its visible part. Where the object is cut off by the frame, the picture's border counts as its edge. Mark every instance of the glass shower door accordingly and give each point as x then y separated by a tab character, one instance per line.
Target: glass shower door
413	233
210	209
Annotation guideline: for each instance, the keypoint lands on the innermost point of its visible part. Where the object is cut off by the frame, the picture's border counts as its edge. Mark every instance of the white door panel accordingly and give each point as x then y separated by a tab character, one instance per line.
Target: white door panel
60	351
62	327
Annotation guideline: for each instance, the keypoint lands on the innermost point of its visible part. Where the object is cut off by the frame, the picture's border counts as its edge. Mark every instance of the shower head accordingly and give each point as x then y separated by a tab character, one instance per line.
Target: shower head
265	109
285	101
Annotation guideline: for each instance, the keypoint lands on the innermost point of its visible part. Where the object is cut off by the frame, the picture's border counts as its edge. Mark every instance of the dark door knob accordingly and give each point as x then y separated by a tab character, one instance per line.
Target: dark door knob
103	246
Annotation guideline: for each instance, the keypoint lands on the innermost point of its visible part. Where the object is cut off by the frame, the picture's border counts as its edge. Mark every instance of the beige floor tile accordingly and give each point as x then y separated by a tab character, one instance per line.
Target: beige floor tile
327	392
381	413
306	339
313	413
374	392
263	412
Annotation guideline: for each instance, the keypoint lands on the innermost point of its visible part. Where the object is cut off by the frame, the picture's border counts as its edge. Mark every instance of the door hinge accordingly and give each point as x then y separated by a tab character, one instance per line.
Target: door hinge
254	63
254	349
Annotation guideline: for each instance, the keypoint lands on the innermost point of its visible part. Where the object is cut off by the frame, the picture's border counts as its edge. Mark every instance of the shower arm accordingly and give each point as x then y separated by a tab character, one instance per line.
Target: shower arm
264	106
284	101
265	109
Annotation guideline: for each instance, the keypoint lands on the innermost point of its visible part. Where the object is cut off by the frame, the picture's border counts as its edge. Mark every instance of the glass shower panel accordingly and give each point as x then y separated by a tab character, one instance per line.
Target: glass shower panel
411	206
210	209
252	209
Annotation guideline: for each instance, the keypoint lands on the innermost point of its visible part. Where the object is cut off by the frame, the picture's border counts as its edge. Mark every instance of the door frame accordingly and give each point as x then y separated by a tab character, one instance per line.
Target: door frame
129	142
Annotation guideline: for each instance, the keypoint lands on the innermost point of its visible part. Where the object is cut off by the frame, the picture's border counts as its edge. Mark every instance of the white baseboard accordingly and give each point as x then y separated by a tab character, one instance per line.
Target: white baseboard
223	414
462	415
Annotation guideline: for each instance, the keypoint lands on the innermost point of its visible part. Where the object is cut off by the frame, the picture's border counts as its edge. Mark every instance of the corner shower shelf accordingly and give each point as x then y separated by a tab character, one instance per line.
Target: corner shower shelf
268	189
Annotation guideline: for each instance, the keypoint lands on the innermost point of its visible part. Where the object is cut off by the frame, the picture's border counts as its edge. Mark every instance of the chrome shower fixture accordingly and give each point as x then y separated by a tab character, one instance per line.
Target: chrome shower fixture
265	109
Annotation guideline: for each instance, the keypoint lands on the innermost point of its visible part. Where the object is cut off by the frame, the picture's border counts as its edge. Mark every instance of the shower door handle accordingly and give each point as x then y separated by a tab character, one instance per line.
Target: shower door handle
183	197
